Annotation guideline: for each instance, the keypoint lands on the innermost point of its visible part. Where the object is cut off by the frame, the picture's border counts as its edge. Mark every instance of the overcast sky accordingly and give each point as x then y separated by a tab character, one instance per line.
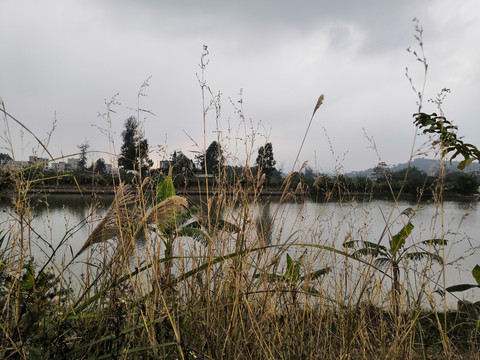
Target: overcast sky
64	59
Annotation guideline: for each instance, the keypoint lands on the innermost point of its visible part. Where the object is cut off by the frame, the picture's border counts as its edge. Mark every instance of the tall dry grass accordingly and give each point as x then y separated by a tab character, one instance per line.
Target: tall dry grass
230	275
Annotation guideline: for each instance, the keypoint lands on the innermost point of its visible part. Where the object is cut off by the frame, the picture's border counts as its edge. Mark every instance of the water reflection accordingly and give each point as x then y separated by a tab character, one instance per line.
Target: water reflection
307	222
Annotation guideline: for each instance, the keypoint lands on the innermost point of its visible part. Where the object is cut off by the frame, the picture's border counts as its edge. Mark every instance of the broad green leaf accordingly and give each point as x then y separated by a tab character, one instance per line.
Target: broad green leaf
476	273
424	254
165	189
289	261
464	163
369	248
350	244
382	261
434	242
398	240
461	287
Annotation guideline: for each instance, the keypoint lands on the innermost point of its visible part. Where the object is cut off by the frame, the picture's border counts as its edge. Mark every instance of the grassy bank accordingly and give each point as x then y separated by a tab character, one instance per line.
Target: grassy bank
220	278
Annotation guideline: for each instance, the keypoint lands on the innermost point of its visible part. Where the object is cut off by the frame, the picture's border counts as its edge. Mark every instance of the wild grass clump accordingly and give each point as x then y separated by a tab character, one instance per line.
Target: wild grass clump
231	273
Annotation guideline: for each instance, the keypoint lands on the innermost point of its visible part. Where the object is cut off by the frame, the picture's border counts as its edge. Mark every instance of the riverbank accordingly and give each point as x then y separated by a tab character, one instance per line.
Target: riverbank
265	192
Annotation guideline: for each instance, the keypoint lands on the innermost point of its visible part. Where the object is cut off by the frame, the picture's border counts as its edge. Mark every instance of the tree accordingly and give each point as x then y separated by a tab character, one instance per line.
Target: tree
265	161
381	172
5	159
181	164
100	166
212	158
134	151
82	161
466	183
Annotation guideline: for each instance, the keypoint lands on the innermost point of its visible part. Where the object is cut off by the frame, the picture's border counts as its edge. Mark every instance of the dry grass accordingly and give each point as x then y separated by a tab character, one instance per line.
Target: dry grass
240	278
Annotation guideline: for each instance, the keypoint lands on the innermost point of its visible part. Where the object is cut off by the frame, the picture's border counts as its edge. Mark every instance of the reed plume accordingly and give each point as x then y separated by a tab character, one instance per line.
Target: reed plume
124	216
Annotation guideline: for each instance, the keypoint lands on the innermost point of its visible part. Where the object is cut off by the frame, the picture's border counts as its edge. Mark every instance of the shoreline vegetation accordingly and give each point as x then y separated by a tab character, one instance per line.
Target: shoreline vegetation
196	191
162	277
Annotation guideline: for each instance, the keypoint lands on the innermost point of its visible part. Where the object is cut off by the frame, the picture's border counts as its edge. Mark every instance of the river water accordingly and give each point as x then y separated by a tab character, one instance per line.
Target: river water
69	219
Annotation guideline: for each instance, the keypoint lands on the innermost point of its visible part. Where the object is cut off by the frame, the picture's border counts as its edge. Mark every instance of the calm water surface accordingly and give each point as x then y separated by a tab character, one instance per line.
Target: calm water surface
69	219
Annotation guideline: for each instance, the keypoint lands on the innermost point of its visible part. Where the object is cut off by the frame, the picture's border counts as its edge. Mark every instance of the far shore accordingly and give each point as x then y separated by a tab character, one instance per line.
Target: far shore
265	192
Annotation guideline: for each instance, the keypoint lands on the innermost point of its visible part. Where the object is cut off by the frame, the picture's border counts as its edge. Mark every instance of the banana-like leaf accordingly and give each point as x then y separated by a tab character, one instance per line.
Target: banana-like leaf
215	223
398	240
165	189
476	273
434	242
369	248
382	261
194	233
461	287
316	274
418	255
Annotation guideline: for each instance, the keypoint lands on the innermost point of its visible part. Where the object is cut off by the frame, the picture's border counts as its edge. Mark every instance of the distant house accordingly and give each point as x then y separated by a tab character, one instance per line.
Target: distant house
164	166
60	166
22	164
35	160
72	164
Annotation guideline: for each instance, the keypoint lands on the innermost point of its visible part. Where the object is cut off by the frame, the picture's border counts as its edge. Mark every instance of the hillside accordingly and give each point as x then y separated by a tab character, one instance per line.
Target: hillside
426	165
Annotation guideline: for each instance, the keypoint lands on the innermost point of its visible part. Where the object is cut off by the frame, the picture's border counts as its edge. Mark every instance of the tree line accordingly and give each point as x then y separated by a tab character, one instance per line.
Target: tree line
212	164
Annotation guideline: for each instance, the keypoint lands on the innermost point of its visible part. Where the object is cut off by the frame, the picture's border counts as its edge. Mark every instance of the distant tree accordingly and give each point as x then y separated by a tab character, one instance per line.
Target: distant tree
309	176
82	161
134	151
5	158
466	183
212	159
100	166
182	168
181	164
265	161
381	172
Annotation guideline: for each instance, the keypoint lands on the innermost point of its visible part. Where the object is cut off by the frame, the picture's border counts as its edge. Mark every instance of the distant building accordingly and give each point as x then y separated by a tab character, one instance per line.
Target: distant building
22	164
72	163
164	165
60	166
35	160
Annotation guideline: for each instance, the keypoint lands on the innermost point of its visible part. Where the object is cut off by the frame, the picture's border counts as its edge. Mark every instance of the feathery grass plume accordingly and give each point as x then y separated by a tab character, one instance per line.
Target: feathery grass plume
165	213
124	217
319	103
117	217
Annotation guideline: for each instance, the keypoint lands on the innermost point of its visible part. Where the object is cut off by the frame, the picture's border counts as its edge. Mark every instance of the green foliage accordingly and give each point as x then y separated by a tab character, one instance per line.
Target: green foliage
466	183
396	253
182	168
5	159
38	302
134	151
82	161
447	139
398	241
212	158
381	172
100	166
464	287
165	189
265	161
293	277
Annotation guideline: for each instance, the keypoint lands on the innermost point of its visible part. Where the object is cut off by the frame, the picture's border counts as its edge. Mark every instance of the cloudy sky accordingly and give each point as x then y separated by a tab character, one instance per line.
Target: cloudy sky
64	60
